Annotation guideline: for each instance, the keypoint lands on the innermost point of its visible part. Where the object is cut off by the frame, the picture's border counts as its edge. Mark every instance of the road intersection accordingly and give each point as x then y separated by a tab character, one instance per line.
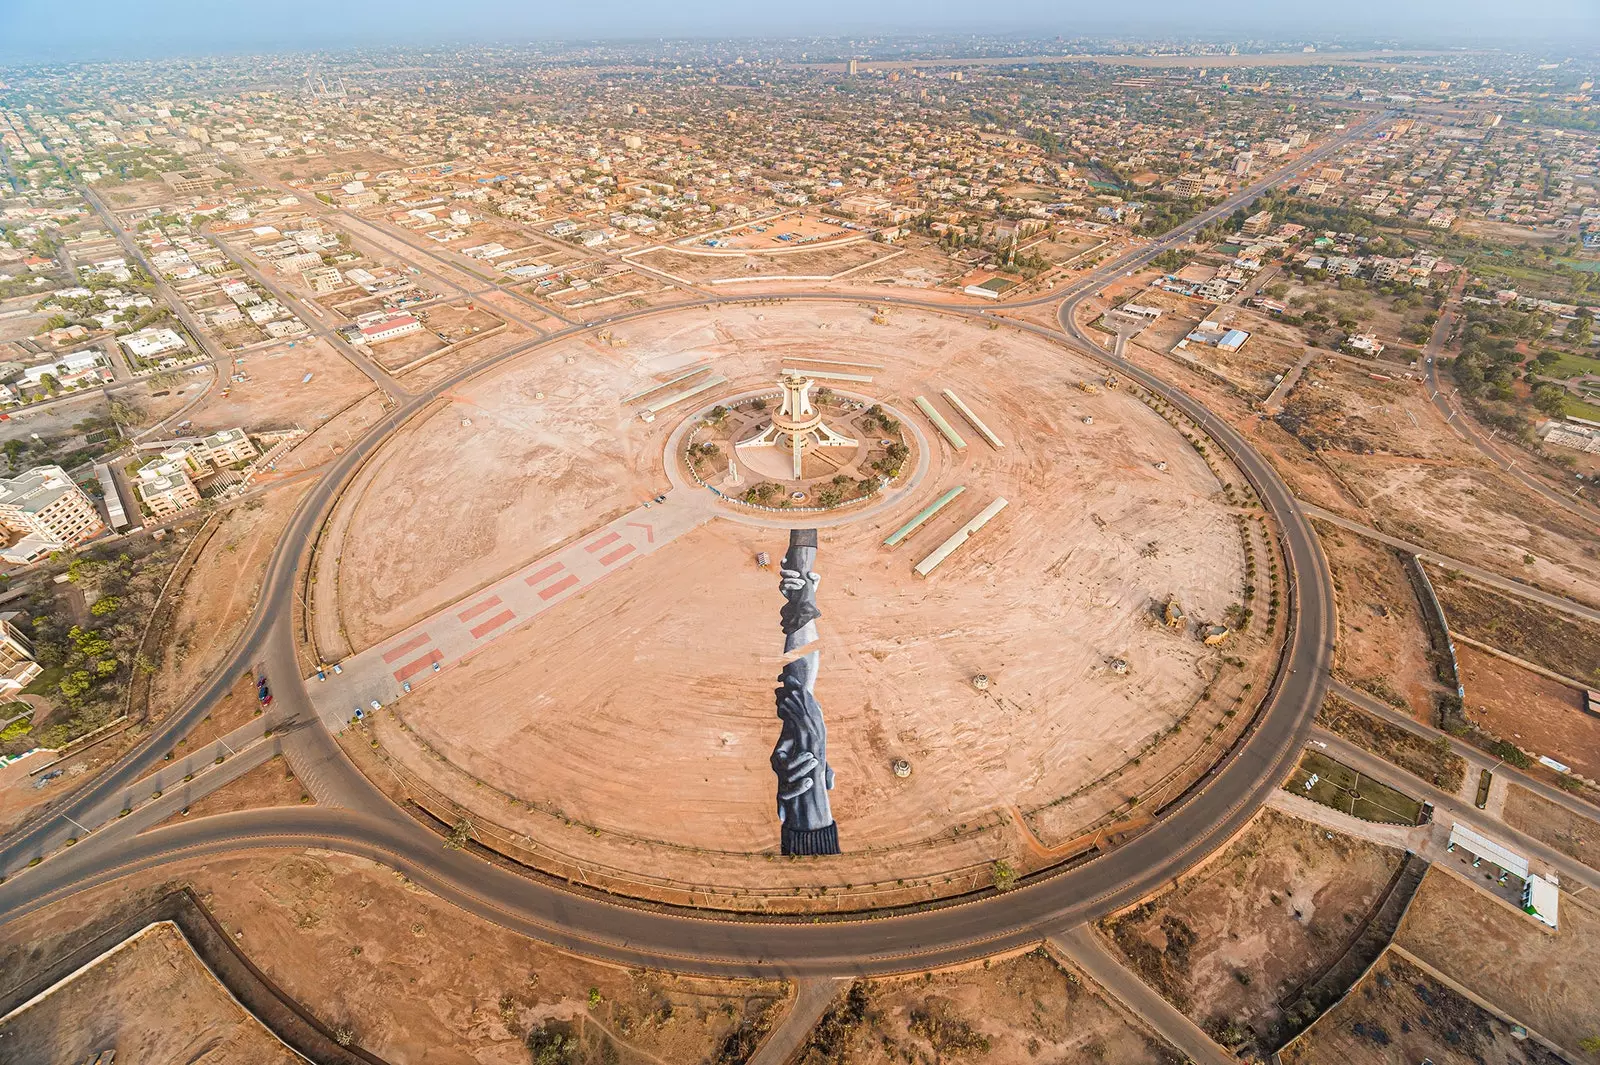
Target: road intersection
354	817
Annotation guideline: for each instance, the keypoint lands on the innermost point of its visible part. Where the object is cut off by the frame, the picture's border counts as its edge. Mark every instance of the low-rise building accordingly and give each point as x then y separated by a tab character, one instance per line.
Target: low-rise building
323	279
149	343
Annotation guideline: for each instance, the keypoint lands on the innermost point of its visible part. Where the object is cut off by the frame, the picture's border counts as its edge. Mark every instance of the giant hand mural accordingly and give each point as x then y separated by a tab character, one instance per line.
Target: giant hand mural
800	759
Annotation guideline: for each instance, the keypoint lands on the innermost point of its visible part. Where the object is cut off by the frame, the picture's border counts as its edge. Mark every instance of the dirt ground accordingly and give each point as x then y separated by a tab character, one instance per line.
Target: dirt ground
275	396
221	591
1475	514
1534	712
22	794
1574	836
1022	1009
1383	644
417	980
272	783
1398	1013
1255	921
1558	642
1067	580
821	261
1338	406
1401	746
1545	979
153	1002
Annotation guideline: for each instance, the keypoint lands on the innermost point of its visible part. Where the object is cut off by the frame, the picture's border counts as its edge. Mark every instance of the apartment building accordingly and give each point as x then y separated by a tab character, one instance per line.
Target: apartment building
17	667
49	510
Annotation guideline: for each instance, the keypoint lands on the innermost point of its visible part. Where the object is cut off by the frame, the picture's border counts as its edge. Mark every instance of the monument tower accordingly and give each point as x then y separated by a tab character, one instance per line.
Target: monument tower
797	423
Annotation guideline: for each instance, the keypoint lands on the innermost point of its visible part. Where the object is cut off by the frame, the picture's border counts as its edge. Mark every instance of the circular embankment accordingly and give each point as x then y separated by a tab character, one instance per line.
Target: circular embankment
621	736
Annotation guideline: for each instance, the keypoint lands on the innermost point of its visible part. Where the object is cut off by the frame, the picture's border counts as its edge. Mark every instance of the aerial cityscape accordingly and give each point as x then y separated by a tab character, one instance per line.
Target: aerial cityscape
831	537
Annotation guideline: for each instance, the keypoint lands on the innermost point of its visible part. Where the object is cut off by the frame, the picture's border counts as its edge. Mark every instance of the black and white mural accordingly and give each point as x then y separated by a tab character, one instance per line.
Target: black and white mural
800	759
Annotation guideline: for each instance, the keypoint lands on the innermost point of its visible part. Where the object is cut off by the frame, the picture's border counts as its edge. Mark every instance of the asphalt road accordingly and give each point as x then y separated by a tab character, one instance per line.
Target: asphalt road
354	818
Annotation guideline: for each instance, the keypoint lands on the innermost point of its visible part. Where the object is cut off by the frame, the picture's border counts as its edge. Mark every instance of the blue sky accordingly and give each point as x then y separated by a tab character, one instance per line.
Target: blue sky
95	29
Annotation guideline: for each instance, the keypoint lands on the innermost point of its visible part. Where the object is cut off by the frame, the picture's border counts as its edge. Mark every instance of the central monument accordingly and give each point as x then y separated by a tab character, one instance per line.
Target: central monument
797	423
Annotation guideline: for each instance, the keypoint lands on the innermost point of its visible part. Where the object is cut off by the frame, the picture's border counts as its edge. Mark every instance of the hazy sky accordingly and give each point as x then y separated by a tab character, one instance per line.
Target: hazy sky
52	30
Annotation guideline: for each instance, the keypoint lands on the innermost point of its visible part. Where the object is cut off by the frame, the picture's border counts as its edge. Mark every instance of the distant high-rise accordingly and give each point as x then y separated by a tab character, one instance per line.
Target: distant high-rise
851	68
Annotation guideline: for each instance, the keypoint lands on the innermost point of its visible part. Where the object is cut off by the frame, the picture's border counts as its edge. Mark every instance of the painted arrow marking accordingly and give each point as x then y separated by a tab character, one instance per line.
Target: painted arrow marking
649	530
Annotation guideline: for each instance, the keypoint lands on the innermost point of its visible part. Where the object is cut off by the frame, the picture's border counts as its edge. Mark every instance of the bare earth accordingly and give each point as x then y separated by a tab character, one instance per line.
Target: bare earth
1534	712
1023	1009
1577	837
1276	905
673	657
153	1002
1397	1013
1547	979
221	591
413	978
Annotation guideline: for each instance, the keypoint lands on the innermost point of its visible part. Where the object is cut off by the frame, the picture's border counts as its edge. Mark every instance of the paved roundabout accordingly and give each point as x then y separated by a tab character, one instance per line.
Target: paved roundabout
352	817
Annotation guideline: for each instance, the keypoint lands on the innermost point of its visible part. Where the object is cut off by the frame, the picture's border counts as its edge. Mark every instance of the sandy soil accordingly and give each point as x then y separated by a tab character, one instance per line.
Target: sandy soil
414	978
1382	644
1577	837
1399	1013
221	591
1534	712
820	261
1546	979
1255	921
272	783
1023	1009
153	1002
275	397
1558	642
1475	514
1063	583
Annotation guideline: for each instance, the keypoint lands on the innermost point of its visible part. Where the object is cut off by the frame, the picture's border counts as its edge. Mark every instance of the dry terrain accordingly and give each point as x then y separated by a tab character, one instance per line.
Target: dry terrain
1577	837
413	978
1558	642
1399	1013
1538	714
1432	762
1253	923
275	394
820	261
152	1001
272	783
1022	1009
220	592
1067	581
1545	979
1478	515
1382	645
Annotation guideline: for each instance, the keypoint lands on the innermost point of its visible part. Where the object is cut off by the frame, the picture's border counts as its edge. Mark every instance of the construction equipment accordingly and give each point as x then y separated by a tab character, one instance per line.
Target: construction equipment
1112	382
1088	388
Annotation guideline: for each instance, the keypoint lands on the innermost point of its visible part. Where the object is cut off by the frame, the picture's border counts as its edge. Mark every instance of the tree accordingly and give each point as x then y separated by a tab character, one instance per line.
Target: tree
51	383
105	605
1549	399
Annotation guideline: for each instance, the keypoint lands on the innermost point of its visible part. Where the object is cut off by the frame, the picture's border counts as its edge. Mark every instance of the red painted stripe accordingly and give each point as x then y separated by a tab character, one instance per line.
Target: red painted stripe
493	623
546	573
411	669
622	552
406	648
472	612
558	587
605	541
